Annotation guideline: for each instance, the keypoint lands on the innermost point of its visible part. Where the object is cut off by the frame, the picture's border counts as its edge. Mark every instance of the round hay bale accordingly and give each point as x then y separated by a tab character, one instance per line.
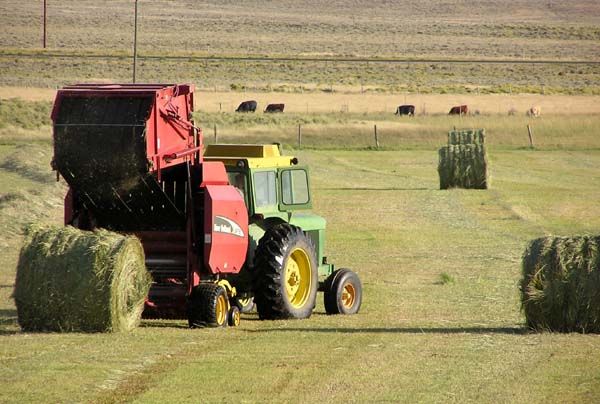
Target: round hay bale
74	280
560	288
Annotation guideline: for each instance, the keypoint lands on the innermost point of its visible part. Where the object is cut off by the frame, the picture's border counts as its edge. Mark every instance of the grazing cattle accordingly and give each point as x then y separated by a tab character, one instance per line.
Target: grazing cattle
275	108
534	112
459	110
247	106
406	110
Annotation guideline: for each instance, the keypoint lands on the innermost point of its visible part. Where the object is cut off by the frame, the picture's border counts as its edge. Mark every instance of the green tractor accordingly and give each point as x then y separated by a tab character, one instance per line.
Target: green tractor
286	265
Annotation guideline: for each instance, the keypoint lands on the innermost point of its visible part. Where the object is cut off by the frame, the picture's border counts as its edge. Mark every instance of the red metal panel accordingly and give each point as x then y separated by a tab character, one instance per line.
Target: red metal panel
213	173
225	229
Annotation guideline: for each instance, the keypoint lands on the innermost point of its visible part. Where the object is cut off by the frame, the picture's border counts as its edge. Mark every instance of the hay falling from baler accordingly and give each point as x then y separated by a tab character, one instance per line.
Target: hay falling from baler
463	163
74	280
560	288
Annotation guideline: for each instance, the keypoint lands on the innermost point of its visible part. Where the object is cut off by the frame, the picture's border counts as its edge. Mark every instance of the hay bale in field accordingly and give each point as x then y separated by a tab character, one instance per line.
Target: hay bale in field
74	280
466	136
463	166
560	288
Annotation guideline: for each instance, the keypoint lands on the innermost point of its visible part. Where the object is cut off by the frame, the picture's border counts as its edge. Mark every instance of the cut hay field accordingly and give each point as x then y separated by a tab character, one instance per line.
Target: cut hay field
440	320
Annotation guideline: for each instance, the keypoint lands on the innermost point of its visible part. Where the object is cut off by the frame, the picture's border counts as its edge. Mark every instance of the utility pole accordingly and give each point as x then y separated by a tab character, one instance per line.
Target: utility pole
135	40
45	19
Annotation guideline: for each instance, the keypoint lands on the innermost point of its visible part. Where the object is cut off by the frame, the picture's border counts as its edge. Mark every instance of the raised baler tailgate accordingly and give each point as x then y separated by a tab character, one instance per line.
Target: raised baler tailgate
100	150
225	229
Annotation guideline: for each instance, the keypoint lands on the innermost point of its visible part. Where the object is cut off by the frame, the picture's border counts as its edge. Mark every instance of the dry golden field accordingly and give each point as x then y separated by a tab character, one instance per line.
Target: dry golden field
352	100
502	30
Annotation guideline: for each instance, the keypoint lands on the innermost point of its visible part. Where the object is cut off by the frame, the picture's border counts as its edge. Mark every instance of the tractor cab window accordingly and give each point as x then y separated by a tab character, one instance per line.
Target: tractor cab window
265	191
294	187
238	180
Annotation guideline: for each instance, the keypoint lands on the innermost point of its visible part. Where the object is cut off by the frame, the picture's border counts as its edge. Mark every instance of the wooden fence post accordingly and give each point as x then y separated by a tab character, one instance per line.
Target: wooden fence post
299	135
376	138
530	133
215	128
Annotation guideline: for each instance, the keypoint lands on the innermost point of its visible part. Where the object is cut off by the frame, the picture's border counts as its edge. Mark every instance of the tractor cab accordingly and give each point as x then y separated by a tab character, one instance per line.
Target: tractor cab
272	185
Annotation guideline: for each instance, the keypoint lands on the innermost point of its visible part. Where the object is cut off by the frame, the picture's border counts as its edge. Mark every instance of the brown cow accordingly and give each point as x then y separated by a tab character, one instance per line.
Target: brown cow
459	110
534	112
275	108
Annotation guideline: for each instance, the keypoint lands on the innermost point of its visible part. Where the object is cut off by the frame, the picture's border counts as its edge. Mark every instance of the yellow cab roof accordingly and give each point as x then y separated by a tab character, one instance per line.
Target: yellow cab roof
257	156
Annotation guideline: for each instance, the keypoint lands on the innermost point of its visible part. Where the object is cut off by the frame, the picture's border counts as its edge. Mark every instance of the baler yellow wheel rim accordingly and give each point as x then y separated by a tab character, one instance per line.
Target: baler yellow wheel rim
221	309
348	295
236	318
298	279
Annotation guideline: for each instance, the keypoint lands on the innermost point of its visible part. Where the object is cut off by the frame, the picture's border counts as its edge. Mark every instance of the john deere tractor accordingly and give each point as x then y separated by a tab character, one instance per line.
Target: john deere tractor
224	227
285	256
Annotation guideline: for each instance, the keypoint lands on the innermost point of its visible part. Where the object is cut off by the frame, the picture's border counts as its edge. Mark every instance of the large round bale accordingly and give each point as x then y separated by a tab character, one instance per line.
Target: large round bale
560	288
74	280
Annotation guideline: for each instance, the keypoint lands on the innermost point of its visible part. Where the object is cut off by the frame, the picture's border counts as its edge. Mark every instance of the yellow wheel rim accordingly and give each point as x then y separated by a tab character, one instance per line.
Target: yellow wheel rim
348	295
221	309
236	318
298	279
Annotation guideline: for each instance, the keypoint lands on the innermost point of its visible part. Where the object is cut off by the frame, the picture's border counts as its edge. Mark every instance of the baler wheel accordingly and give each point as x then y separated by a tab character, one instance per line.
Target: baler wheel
234	317
343	292
286	277
208	305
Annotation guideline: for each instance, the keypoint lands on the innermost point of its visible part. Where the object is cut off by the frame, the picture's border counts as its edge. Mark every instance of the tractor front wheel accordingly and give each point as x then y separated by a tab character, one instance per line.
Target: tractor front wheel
343	292
208	306
286	274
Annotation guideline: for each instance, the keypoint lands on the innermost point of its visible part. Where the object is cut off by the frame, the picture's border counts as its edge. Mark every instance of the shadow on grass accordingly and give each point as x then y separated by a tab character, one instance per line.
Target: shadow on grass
408	330
163	324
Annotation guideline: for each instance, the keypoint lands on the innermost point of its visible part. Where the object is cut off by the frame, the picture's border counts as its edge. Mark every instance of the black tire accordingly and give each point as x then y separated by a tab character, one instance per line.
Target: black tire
208	306
283	248
343	292
233	319
246	305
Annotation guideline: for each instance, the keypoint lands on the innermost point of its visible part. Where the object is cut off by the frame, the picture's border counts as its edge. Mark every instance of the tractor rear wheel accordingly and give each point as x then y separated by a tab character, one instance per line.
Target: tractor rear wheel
343	292
286	274
208	305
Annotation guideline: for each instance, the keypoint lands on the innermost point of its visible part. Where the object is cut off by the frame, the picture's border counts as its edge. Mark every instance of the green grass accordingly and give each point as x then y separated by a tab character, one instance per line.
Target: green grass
24	114
445	279
414	339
